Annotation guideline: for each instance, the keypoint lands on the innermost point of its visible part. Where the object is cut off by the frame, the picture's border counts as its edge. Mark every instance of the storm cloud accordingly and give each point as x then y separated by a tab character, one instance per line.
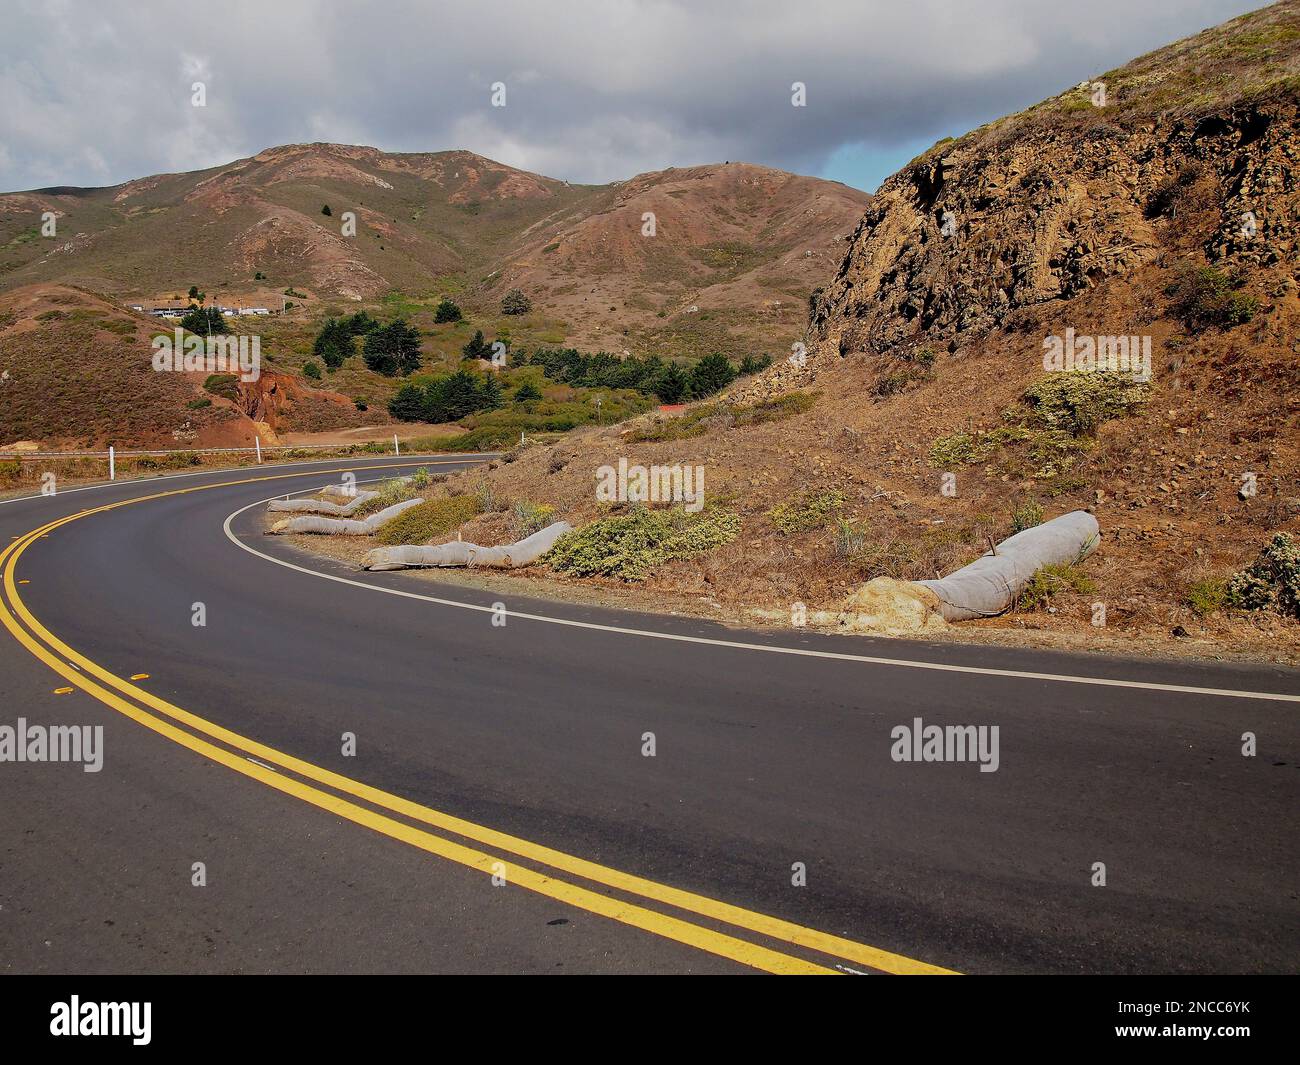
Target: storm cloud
95	94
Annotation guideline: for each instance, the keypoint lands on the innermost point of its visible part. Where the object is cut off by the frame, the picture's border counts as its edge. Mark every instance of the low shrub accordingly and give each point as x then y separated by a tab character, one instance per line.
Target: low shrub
1052	580
631	546
1025	516
700	419
1272	581
811	511
1076	403
390	492
528	518
1204	296
1208	596
429	520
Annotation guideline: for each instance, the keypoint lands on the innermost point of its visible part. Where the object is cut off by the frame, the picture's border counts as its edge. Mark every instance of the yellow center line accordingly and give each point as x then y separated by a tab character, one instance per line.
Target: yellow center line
739	917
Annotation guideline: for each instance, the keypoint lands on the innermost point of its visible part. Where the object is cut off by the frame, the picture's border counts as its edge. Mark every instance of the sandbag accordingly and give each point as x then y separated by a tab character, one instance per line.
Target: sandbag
992	583
459	553
311	523
322	506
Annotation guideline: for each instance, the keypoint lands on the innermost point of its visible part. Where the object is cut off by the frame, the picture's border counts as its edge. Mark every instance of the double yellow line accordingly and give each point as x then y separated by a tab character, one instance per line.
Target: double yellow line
235	751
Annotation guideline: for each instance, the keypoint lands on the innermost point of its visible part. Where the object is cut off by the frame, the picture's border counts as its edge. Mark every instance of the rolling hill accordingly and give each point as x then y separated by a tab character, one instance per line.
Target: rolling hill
736	250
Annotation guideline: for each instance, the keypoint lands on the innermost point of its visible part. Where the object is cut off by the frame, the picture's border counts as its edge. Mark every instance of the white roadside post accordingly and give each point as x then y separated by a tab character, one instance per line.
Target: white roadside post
112	463
396	449
258	440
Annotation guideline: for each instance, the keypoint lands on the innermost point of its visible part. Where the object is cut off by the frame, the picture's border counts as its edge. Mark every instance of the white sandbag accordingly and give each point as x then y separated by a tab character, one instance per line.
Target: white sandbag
992	583
322	506
522	552
311	523
459	553
403	556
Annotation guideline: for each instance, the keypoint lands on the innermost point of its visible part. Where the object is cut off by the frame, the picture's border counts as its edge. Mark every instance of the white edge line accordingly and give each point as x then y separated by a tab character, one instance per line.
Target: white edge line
1063	678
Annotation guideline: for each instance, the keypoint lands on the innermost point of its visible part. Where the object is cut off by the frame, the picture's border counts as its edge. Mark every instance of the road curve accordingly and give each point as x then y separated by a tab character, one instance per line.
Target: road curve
517	749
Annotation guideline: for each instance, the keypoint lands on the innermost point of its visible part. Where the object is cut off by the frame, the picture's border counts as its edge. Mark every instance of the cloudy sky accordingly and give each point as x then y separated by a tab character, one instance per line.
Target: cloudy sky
96	93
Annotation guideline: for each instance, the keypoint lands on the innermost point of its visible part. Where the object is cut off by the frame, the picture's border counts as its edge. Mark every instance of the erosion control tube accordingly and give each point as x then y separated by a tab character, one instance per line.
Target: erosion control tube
992	583
322	506
458	553
311	523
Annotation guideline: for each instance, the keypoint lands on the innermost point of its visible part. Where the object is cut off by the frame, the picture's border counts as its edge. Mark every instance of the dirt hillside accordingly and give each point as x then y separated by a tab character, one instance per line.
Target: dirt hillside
1170	214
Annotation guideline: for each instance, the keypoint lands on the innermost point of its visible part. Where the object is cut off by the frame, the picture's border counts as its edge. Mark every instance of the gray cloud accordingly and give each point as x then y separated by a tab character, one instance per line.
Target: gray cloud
97	93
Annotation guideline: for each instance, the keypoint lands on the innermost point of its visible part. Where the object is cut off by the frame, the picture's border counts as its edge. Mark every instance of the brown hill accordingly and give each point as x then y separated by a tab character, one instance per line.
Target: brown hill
1169	213
76	371
733	240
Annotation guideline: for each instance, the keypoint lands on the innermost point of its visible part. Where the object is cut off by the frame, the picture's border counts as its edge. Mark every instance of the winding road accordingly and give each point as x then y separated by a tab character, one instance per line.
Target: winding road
502	812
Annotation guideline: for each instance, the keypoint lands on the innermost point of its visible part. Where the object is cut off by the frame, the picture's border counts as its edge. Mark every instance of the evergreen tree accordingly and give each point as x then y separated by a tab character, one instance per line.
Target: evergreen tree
409	404
334	343
447	312
393	350
489	392
672	384
515	302
360	323
711	374
477	348
204	321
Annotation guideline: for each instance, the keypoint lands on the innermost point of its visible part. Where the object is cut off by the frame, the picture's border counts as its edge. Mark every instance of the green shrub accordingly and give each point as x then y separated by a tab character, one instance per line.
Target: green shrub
310	369
1076	403
515	302
1205	296
774	410
1272	581
1026	516
429	520
959	448
894	383
198	404
447	312
531	517
631	546
1050	580
850	538
811	512
1207	596
390	492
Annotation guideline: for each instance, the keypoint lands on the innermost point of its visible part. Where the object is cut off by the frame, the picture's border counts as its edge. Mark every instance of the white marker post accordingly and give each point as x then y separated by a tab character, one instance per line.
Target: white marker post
112	463
396	449
258	441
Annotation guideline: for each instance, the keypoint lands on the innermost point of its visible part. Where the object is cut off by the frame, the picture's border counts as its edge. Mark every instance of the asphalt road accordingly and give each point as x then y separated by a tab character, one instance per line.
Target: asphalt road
537	729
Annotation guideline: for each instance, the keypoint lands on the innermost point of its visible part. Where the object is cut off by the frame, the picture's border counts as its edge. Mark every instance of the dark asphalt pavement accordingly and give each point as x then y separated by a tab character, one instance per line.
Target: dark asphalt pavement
762	760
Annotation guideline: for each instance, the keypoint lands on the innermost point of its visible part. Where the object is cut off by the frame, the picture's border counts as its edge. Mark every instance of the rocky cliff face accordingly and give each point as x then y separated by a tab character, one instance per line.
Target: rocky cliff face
1062	198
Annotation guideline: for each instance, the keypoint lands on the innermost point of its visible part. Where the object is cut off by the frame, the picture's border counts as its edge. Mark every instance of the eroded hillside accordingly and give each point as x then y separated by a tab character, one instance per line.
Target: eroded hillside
922	424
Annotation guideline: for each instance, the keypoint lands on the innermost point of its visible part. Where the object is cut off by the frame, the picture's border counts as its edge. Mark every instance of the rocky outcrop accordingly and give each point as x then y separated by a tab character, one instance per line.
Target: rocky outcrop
1004	219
